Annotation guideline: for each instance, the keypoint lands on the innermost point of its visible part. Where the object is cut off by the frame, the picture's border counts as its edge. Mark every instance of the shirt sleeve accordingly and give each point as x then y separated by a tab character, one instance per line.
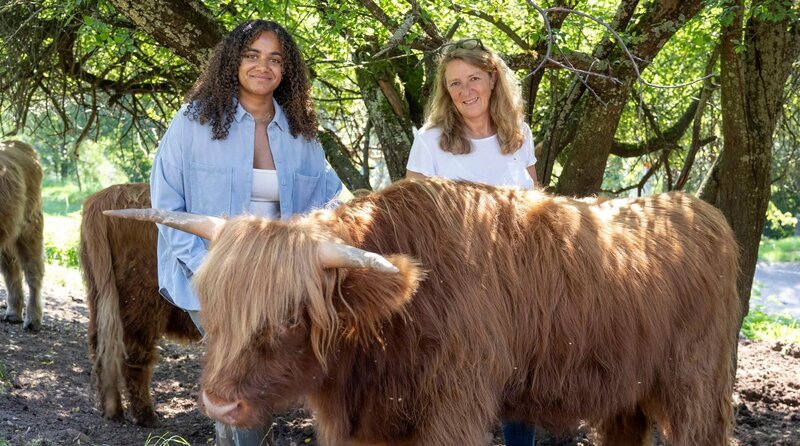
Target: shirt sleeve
333	185
420	159
167	192
528	146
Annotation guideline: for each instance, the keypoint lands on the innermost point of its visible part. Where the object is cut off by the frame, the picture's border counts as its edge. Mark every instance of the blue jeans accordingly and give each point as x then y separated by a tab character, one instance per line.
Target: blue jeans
519	433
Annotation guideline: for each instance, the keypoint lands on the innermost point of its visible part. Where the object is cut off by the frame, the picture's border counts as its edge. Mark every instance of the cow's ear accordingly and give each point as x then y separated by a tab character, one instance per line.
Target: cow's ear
366	299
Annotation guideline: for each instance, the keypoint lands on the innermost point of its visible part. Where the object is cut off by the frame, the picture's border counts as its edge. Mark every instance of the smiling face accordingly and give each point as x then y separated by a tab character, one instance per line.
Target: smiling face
261	68
470	88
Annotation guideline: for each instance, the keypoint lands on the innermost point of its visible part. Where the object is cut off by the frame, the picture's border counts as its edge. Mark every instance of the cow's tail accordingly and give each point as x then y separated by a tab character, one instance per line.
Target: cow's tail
105	322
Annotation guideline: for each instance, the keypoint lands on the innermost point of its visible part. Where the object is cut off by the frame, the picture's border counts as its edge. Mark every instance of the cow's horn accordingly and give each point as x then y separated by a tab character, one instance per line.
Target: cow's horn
201	225
336	255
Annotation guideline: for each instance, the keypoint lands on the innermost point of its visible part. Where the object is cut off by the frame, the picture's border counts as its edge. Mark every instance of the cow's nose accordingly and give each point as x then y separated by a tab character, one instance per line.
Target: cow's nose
227	413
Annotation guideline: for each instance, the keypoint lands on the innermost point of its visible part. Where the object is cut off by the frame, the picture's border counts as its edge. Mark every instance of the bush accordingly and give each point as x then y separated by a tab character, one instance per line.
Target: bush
62	255
783	250
61	236
759	325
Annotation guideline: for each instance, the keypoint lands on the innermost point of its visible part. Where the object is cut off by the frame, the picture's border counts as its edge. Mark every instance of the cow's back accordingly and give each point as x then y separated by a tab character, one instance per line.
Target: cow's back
573	307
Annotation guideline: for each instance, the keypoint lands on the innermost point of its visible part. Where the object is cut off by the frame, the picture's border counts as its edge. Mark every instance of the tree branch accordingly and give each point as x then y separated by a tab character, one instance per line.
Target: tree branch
499	24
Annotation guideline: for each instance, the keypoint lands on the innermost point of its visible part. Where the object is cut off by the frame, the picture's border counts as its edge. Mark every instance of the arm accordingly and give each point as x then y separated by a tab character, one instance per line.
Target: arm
335	191
415	175
532	173
167	192
530	153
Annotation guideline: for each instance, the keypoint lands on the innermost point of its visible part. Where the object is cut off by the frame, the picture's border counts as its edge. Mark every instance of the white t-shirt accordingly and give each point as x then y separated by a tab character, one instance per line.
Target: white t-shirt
484	164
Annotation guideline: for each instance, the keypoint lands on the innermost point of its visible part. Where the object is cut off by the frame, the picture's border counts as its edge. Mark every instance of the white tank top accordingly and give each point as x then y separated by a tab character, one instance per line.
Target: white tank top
265	197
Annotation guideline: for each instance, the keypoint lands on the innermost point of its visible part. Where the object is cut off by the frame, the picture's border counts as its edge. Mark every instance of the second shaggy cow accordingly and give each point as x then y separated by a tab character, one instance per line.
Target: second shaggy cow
21	231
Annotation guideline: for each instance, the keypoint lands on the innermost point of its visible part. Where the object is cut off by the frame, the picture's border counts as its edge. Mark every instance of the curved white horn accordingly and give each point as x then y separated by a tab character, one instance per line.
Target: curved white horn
337	255
201	225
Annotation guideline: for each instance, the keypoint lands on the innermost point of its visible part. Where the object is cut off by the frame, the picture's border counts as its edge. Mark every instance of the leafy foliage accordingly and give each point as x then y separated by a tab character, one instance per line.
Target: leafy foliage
781	250
61	240
761	325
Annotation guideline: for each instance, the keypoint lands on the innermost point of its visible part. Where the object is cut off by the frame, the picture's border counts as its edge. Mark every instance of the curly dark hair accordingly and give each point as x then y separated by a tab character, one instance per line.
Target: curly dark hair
214	96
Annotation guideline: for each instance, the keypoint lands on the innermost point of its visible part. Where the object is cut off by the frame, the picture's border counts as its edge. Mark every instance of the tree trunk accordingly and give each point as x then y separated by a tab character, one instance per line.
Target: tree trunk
752	91
185	26
388	112
341	163
588	152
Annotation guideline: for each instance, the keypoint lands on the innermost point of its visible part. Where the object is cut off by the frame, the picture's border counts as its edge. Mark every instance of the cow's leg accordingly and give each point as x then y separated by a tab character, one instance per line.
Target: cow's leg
138	372
31	258
13	279
470	425
106	371
702	412
108	394
629	428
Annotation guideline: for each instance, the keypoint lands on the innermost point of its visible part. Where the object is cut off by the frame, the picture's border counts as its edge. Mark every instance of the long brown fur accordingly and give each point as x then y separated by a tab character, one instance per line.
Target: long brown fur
509	303
127	315
21	231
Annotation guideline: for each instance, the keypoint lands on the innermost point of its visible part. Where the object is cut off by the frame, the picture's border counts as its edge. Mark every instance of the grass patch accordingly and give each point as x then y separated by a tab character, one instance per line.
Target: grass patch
165	439
62	198
63	276
61	236
762	326
780	250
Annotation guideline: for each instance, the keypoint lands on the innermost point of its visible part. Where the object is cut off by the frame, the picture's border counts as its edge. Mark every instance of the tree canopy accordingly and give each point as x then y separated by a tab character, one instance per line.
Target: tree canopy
624	97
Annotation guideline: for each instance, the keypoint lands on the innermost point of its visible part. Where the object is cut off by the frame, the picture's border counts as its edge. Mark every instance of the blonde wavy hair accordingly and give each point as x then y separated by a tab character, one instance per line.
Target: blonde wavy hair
505	105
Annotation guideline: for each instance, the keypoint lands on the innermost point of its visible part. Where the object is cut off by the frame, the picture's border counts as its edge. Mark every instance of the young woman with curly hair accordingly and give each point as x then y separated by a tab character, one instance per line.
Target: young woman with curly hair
244	142
474	128
475	131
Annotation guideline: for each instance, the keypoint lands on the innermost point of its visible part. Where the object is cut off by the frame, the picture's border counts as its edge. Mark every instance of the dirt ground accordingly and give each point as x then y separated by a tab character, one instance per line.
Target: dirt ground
46	395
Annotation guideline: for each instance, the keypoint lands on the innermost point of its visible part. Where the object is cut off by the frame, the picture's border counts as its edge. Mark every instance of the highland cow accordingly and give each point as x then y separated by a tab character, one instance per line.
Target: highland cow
21	232
127	316
497	303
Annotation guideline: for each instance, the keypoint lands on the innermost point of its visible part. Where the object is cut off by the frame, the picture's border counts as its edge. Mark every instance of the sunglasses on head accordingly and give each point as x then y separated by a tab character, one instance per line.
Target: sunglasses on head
467	44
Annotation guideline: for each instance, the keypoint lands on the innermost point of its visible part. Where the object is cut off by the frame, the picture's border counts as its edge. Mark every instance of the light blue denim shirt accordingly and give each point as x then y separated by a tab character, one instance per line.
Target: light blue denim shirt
193	173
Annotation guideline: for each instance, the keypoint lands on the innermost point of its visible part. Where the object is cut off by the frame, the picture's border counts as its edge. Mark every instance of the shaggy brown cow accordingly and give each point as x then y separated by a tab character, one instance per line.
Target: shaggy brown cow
507	303
21	231
127	316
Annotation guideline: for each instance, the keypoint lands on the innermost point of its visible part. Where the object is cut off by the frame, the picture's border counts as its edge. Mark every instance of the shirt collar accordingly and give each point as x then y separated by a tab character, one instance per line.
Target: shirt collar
279	119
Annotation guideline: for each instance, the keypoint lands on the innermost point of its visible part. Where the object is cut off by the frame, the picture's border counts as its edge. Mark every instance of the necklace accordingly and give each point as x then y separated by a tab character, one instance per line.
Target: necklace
263	120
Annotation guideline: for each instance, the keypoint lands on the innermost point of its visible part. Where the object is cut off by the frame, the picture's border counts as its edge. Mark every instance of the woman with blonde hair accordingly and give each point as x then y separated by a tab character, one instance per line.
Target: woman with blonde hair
475	131
474	128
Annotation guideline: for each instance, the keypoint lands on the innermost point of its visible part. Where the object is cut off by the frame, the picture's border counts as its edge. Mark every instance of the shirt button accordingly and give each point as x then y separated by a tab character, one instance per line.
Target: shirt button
283	182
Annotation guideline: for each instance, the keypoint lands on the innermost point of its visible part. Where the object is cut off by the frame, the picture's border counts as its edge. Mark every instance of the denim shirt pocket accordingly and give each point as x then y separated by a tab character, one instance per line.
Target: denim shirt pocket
210	189
308	193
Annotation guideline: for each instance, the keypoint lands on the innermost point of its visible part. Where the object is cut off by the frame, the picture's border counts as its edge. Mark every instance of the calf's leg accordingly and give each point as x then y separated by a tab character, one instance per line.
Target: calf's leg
31	257
137	373
13	279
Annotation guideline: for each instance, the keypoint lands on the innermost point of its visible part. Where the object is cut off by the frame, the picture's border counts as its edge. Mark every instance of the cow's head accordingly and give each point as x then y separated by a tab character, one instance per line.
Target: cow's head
275	298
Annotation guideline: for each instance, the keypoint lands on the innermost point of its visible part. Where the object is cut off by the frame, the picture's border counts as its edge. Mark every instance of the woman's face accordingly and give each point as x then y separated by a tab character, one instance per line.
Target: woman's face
470	88
261	68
